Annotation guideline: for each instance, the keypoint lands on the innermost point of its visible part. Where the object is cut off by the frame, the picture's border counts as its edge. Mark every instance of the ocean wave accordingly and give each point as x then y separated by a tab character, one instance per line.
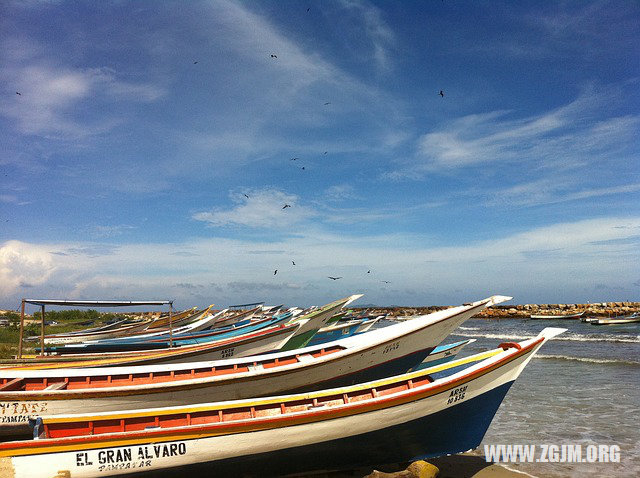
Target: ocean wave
587	359
462	327
625	339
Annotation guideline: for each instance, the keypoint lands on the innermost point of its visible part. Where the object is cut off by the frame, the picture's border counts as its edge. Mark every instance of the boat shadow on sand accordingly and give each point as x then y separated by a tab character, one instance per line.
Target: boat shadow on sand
463	465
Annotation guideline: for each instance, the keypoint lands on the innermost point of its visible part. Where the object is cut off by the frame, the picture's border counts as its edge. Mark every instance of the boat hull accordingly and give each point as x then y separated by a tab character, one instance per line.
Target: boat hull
557	317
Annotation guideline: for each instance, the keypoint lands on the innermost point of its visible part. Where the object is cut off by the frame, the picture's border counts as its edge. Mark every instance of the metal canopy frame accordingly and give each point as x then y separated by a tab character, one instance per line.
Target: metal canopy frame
87	303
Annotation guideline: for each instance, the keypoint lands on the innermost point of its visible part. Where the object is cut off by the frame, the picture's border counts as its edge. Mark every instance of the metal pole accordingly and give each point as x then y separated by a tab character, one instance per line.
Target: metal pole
21	330
42	333
170	324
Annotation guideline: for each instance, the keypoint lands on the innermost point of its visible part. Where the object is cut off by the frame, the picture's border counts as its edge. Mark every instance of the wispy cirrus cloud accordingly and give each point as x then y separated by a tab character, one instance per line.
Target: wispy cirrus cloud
372	29
552	190
565	138
50	98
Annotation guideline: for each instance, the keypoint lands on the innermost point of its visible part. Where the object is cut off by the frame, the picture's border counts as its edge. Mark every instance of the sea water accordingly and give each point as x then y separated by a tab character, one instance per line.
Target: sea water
582	388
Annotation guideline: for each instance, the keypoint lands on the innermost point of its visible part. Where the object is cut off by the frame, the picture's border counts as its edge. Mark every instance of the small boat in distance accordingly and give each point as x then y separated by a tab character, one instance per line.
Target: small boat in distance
624	319
557	317
589	319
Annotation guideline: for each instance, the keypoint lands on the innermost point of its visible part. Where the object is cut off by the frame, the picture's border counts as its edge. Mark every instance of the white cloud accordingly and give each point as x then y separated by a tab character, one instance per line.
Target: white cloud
261	209
577	255
23	265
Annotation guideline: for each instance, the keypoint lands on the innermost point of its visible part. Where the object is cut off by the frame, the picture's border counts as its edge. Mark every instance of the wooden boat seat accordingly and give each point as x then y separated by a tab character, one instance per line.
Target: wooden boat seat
15	384
57	386
305	358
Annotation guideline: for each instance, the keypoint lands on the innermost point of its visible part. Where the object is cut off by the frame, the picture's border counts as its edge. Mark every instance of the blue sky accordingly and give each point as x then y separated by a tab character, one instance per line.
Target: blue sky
148	154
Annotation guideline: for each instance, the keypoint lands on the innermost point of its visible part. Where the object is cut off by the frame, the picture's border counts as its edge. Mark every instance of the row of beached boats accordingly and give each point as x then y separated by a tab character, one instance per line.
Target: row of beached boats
262	391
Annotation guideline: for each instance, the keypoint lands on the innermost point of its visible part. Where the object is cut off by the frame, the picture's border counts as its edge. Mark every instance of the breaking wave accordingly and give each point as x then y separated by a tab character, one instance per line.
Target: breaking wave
625	339
587	359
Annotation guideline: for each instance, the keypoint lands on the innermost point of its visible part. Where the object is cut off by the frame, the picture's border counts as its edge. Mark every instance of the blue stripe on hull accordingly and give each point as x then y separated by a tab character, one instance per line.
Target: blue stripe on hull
453	430
323	337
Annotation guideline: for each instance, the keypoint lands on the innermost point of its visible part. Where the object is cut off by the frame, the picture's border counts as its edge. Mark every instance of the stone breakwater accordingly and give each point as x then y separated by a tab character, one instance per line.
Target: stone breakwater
522	311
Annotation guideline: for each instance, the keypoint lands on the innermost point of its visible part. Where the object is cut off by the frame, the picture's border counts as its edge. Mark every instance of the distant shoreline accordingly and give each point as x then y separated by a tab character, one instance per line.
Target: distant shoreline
523	311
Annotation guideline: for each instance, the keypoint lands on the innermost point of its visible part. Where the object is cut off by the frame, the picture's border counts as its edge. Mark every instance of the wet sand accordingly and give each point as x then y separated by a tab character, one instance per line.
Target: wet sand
463	465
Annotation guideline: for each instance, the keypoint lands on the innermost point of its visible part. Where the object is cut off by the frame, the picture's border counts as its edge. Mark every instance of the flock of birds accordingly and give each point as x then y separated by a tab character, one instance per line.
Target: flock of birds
275	57
275	272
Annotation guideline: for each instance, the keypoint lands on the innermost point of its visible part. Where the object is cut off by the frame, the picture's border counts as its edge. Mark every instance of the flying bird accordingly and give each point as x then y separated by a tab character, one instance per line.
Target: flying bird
441	93
275	272
285	206
326	152
195	62
273	56
303	167
294	159
386	281
18	93
334	278
246	196
327	103
293	263
369	271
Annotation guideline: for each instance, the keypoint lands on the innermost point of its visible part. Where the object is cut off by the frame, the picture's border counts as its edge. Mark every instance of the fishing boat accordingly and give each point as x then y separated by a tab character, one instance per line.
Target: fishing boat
241	313
443	353
436	411
378	353
577	315
294	334
588	319
199	321
175	319
159	340
625	319
340	330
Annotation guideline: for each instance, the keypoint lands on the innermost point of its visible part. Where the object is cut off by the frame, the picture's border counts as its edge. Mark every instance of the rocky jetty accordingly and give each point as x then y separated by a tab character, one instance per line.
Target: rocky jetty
523	311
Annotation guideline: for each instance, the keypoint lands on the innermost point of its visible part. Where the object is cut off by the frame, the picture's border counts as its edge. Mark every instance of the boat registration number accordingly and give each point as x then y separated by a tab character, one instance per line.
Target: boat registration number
457	395
391	347
226	353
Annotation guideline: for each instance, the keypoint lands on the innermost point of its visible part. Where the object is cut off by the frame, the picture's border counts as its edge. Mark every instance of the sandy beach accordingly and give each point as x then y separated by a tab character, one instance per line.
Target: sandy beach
464	465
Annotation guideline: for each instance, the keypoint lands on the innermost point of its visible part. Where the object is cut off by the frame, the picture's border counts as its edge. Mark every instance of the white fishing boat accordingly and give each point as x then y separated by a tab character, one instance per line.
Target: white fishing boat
436	411
572	316
627	319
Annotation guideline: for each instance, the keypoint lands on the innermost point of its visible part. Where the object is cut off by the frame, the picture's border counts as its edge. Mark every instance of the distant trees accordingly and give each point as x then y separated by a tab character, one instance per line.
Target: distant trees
73	315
